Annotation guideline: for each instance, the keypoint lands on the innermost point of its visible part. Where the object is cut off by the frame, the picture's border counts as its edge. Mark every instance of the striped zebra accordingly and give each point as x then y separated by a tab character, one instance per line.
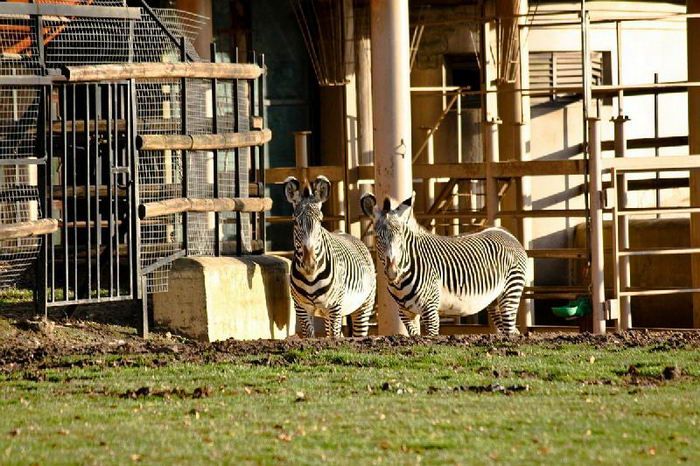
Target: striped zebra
332	273
458	275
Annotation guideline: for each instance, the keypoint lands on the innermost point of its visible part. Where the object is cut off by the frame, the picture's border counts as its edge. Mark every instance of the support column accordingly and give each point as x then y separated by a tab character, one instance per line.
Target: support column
392	125
596	191
205	37
625	322
693	6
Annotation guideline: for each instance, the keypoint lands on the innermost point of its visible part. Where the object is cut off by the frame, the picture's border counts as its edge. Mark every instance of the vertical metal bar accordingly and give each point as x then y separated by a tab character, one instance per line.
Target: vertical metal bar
88	183
118	115
133	195
656	144
110	188
185	168
143	329
98	174
64	197
42	174
252	155
49	185
74	230
260	176
615	244
237	159
215	130
39	25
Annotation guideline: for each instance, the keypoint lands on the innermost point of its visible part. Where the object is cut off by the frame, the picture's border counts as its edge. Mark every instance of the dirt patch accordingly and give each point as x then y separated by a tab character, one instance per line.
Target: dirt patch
167	393
94	335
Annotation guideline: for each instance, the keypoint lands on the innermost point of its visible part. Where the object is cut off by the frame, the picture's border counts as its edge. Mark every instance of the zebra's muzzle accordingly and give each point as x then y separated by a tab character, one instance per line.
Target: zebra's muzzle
308	259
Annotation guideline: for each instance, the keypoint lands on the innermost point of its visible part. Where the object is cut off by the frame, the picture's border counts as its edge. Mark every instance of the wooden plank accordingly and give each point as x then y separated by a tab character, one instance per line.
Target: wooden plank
649	143
277	175
517	169
202	141
222	204
558	253
143	71
28	229
675	162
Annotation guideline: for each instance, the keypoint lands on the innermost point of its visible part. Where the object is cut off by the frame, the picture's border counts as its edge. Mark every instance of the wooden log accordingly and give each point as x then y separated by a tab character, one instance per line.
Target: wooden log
202	141
229	204
28	229
222	204
117	72
166	207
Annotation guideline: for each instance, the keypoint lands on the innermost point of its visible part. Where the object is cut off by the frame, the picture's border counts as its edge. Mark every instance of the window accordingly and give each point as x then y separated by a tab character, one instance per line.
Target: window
554	69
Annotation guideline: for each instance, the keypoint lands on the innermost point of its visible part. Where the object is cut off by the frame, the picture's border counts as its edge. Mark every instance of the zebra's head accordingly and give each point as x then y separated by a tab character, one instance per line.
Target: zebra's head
307	202
391	227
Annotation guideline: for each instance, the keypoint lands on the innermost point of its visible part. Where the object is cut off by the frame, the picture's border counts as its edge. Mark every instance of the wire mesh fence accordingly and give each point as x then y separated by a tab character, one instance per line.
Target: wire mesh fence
30	45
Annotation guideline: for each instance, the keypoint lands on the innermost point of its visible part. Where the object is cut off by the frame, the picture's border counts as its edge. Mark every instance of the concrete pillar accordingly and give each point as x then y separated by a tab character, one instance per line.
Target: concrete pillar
693	6
204	8
392	124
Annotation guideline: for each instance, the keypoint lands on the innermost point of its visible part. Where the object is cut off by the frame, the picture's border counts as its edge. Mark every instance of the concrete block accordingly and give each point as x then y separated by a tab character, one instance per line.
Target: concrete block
216	298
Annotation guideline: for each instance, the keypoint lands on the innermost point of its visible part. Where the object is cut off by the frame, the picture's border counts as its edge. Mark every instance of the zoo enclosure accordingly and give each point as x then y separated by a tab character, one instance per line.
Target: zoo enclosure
122	150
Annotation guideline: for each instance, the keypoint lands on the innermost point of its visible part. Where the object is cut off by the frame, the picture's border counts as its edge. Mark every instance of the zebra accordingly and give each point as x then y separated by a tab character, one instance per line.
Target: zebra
458	275
332	274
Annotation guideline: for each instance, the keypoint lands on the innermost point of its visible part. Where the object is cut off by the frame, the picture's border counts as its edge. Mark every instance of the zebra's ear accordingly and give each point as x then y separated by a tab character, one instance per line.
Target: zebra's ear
368	202
406	207
321	188
291	189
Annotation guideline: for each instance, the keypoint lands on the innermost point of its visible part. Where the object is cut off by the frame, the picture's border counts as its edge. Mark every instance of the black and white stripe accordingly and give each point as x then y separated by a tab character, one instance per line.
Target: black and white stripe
332	273
458	275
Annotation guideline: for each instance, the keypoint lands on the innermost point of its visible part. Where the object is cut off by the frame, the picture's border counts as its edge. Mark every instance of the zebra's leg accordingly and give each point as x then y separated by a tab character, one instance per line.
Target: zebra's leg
494	316
334	323
407	319
360	318
509	301
431	321
305	322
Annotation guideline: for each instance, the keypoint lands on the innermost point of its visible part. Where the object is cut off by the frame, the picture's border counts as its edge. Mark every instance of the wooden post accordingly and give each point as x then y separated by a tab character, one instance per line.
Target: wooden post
693	43
301	154
363	84
391	103
596	192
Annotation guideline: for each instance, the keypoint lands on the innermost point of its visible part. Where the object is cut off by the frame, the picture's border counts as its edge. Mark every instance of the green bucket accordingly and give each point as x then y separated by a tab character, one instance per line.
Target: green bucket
576	308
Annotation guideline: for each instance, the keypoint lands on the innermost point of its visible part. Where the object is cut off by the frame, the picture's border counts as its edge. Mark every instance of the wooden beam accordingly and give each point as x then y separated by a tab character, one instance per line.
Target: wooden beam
83	11
28	229
517	169
648	164
222	204
450	170
277	175
649	143
202	141
202	70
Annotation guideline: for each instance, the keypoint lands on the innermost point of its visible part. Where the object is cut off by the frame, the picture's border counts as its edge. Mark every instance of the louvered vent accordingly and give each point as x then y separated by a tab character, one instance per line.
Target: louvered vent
551	69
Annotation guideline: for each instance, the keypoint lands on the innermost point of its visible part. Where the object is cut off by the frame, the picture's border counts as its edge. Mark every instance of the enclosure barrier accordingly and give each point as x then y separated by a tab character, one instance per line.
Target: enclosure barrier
28	229
221	204
145	71
205	142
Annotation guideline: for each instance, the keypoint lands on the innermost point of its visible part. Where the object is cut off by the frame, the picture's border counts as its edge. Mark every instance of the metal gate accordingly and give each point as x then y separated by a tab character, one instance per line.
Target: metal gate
88	184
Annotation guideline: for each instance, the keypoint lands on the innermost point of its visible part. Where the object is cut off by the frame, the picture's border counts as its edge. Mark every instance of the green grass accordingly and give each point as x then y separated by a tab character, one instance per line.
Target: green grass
394	406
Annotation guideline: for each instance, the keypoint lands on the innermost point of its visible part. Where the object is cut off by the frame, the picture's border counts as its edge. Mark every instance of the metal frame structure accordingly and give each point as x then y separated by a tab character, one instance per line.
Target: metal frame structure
88	164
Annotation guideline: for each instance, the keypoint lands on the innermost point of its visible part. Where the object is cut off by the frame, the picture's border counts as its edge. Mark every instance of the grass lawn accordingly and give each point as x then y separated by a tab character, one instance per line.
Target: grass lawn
530	403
